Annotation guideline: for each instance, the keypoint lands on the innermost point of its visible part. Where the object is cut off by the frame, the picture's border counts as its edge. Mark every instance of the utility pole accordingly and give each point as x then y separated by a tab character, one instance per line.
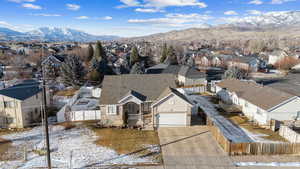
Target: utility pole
46	119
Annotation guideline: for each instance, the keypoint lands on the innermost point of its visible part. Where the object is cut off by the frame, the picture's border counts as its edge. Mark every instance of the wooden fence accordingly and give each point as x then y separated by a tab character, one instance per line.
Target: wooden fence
252	148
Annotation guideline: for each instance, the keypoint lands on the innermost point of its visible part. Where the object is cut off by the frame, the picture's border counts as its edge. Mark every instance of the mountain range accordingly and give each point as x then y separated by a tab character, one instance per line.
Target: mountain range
51	35
276	24
286	23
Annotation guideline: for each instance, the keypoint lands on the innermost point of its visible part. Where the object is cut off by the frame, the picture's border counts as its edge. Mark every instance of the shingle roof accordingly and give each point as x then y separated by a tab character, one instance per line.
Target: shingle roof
22	91
148	85
186	71
261	96
170	90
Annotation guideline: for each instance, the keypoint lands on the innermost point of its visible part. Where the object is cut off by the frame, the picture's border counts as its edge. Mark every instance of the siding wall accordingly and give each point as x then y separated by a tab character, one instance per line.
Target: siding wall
24	113
287	111
173	104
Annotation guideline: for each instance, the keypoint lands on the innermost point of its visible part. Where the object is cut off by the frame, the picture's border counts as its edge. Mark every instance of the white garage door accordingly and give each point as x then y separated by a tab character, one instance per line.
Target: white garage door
171	119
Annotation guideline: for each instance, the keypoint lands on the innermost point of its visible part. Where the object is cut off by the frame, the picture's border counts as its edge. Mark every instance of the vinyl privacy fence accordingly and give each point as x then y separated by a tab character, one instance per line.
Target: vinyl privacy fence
289	134
84	115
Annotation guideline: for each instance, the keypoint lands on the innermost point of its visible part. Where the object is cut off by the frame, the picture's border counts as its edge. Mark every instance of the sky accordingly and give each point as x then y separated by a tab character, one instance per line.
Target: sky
129	18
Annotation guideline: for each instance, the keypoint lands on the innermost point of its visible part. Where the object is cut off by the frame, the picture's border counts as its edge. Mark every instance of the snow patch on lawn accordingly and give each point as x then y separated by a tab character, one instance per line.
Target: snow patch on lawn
258	137
74	147
272	164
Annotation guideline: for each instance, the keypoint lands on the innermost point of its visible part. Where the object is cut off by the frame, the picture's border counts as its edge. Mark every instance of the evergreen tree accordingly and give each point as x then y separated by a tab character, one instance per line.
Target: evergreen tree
134	56
73	71
137	68
164	53
90	53
172	58
235	73
99	52
1	73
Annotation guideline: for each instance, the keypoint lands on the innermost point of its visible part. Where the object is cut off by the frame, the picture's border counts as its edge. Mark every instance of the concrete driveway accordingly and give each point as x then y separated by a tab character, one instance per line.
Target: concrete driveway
191	148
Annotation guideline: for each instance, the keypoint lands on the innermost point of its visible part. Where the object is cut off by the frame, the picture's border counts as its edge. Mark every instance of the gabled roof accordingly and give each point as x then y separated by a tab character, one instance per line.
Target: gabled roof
146	86
186	71
22	91
170	90
261	96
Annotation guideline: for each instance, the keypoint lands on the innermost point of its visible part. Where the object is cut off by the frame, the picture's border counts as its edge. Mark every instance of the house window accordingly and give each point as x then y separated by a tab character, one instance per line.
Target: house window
8	104
112	109
37	96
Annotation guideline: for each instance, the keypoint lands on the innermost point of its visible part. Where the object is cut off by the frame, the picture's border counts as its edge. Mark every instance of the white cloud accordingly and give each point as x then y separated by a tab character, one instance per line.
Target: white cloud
256	2
148	10
31	6
82	17
254	12
21	1
280	1
5	24
45	14
162	3
130	2
73	7
174	20
230	13
179	3
107	18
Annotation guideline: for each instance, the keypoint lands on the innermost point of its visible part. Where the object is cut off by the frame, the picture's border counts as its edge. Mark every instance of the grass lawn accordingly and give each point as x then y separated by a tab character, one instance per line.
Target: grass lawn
68	92
244	123
127	141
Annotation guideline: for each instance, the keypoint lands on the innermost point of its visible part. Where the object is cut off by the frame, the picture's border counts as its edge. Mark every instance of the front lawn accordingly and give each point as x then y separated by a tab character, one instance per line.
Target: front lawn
130	141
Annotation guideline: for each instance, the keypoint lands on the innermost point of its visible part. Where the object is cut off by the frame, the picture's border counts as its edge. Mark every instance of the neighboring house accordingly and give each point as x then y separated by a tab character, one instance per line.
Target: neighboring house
259	103
156	69
252	64
54	60
186	76
276	56
147	101
20	105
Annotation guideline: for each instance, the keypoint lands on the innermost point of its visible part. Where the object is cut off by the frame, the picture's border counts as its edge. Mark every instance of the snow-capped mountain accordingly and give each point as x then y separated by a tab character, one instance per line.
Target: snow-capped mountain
268	20
52	35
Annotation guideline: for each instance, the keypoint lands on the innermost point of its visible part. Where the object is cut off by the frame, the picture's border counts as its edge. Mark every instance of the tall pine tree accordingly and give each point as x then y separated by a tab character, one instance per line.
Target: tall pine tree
164	53
172	57
134	56
73	71
90	53
99	53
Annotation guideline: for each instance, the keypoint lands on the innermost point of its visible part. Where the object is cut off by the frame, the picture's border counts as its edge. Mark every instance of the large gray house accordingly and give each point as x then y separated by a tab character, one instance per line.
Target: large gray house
147	101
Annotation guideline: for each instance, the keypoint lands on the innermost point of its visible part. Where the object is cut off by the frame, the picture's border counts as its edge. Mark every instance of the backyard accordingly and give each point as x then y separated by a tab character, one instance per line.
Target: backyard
254	131
79	145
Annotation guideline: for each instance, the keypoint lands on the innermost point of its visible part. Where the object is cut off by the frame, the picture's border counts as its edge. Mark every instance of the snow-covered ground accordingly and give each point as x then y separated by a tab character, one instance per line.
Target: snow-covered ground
272	164
74	147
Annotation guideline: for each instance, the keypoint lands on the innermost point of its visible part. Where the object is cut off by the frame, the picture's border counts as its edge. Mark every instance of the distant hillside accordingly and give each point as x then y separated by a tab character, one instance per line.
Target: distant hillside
273	24
51	35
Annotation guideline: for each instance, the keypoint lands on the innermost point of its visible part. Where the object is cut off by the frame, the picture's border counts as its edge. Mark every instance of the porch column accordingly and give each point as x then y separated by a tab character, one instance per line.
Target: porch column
141	114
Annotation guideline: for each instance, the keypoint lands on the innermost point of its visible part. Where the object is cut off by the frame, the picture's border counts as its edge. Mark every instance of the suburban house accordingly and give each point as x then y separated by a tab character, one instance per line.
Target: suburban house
186	76
260	103
252	64
20	105
276	56
148	101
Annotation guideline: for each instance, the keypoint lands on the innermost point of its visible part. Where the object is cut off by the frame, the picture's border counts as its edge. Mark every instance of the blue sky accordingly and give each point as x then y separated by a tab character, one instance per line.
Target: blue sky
132	17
